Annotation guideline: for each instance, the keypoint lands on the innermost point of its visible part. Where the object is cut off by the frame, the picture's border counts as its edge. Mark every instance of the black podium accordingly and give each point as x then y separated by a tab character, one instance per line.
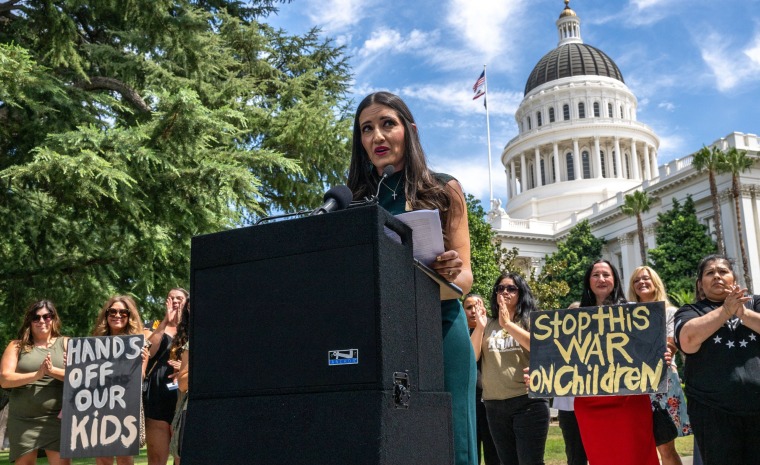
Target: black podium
315	341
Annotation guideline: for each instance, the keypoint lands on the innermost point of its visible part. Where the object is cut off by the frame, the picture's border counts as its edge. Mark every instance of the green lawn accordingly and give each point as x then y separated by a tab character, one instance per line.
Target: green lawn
141	459
555	450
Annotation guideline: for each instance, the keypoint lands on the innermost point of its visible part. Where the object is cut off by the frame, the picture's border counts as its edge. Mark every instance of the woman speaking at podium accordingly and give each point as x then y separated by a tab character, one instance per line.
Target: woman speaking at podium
385	135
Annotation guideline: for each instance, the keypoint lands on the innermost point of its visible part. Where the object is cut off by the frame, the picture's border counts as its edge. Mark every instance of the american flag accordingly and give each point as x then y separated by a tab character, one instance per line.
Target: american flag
479	83
480	93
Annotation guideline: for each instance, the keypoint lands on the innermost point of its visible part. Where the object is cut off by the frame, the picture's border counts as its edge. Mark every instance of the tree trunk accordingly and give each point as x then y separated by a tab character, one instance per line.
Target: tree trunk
739	231
640	231
716	213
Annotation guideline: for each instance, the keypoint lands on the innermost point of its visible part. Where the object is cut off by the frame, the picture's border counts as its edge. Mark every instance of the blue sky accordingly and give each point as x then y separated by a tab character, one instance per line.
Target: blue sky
693	65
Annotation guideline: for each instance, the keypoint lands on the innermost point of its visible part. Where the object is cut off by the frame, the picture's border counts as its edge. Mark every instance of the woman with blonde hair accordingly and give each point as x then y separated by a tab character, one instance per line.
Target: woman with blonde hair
119	316
646	286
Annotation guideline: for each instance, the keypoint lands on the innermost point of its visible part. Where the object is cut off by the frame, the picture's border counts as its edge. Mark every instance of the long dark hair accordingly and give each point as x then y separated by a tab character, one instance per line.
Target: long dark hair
25	337
526	303
183	333
698	293
617	296
422	189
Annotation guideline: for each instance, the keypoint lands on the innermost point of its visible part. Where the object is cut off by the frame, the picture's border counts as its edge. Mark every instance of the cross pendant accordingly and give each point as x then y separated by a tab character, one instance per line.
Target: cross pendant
394	195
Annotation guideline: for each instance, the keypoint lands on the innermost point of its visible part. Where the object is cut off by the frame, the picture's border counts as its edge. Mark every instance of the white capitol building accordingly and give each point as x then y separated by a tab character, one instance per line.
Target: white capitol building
580	150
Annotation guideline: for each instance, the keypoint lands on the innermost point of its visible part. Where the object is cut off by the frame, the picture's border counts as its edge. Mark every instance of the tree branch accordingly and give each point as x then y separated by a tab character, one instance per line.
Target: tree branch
106	83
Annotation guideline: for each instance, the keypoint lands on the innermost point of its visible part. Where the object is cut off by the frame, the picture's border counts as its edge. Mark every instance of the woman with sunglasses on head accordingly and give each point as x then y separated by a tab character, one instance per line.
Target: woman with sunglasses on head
518	424
646	286
32	367
119	317
160	400
616	430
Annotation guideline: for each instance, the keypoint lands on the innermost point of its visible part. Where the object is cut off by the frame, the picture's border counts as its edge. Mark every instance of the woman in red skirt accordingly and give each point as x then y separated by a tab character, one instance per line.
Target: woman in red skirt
616	430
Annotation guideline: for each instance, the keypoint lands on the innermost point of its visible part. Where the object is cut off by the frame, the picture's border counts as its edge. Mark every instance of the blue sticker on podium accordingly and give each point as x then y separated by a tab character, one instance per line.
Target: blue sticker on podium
343	357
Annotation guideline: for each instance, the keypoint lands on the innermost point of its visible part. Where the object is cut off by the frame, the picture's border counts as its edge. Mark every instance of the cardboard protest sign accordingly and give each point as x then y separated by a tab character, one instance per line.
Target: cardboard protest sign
101	396
596	351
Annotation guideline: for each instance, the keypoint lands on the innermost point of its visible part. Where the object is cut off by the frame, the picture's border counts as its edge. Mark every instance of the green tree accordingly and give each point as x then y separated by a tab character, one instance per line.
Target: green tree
486	253
711	160
126	128
635	204
548	289
736	162
682	241
573	256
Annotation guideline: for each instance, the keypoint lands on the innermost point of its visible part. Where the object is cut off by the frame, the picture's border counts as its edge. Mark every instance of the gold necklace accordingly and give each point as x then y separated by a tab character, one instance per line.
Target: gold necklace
394	189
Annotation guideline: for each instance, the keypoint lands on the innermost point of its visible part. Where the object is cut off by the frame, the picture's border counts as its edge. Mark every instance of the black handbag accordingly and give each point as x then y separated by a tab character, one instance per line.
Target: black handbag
662	425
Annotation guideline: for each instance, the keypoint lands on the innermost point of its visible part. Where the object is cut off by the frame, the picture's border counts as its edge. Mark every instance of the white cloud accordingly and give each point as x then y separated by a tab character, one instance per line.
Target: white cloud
485	24
730	67
336	15
473	174
669	106
457	98
672	146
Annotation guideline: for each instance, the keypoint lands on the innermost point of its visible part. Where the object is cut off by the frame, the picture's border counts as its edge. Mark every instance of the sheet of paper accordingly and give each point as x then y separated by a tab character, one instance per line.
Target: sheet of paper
427	235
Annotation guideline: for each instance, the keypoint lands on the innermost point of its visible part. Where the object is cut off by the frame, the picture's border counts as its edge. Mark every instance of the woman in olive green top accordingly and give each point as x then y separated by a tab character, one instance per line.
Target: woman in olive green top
32	368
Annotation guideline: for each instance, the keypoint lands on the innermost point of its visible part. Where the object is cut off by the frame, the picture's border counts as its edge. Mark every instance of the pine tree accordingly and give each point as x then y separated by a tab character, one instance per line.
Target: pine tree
573	257
682	241
126	128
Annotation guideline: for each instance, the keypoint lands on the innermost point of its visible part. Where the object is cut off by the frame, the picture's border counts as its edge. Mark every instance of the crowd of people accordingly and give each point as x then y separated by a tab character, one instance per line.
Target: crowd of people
486	352
33	369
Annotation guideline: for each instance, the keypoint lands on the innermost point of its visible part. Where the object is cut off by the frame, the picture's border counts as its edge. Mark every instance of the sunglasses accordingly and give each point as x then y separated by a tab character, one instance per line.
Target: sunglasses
44	316
117	312
509	288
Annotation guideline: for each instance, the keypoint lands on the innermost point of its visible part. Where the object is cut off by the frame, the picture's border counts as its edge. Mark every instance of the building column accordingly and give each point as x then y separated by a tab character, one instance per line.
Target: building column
635	161
523	174
512	178
597	159
539	183
653	163
555	160
618	159
647	166
576	160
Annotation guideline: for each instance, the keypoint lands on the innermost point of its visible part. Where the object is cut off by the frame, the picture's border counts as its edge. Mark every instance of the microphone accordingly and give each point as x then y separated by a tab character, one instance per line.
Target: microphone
337	198
387	171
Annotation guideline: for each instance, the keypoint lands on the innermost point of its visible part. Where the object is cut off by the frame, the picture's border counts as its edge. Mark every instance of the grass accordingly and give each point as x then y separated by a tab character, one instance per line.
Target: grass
555	446
554	455
141	459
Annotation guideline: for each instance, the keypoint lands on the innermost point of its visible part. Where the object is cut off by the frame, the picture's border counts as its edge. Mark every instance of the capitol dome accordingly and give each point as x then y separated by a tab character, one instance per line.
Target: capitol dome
572	59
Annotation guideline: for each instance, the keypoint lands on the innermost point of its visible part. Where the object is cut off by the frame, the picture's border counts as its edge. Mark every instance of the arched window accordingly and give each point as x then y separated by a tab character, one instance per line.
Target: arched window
627	167
581	110
570	166
586	165
539	120
609	110
543	173
596	109
565	112
614	165
529	125
551	114
621	111
554	173
604	168
532	173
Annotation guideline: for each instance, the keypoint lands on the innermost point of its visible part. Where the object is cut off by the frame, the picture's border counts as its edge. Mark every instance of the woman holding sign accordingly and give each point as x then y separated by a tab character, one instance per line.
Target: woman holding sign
518	424
646	286
119	316
616	430
720	336
386	138
32	367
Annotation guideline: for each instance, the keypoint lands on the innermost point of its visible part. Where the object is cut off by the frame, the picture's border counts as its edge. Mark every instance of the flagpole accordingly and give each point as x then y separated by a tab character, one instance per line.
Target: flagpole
488	135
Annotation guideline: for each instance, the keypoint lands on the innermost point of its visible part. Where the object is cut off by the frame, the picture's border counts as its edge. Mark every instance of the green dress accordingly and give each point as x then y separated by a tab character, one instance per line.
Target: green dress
33	421
459	367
